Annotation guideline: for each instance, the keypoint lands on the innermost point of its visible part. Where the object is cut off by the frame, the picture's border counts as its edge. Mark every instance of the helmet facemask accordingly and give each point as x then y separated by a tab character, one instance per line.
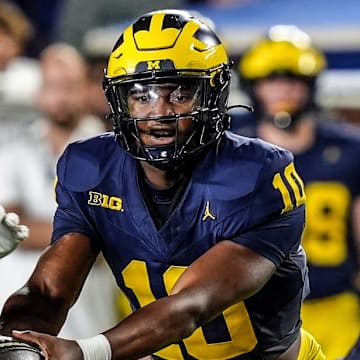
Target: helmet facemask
198	98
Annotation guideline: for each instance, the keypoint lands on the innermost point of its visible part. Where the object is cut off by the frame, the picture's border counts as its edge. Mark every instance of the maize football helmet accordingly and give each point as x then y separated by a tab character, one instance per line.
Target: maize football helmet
286	51
162	47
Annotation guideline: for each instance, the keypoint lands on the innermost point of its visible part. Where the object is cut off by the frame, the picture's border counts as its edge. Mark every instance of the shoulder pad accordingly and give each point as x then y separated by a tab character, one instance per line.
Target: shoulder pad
235	169
83	164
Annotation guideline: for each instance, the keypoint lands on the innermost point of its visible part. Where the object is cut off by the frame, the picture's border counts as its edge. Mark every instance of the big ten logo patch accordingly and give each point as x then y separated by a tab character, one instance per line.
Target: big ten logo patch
105	201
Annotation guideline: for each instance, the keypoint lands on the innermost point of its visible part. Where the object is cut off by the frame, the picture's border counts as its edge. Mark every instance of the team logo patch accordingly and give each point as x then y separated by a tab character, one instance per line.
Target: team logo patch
105	201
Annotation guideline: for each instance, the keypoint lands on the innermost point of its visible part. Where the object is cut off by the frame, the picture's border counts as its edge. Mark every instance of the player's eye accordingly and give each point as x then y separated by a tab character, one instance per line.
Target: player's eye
181	96
141	98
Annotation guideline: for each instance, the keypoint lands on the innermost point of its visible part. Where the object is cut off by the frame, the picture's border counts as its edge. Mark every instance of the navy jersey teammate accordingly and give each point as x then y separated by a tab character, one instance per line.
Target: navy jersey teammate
200	227
327	156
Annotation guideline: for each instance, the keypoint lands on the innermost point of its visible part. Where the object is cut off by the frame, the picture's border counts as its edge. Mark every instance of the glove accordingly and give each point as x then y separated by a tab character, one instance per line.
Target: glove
12	349
11	233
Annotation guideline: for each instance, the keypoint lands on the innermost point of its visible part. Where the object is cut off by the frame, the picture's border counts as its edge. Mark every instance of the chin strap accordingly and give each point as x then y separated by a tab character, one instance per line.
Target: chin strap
160	156
287	121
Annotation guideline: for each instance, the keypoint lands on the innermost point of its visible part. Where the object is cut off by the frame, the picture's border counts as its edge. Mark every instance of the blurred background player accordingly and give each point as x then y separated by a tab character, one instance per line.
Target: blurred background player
27	182
279	75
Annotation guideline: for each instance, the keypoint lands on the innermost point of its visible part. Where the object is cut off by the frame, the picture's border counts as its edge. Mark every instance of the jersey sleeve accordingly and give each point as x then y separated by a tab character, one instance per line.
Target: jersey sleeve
72	212
276	216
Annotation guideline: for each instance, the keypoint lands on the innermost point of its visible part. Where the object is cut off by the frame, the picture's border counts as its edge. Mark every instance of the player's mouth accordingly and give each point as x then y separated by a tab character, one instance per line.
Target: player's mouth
161	136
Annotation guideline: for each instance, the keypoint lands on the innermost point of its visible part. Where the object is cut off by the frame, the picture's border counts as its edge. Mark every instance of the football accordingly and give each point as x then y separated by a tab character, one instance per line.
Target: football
12	349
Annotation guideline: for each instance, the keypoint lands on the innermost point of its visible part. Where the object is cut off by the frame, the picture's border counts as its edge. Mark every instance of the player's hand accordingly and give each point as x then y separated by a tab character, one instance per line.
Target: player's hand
11	232
51	347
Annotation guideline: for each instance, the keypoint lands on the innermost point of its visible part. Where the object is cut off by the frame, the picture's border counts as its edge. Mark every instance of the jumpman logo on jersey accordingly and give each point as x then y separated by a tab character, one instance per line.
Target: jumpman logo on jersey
207	213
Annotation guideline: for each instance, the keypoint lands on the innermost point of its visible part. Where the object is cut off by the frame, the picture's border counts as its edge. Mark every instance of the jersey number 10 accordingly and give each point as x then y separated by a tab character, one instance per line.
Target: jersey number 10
291	188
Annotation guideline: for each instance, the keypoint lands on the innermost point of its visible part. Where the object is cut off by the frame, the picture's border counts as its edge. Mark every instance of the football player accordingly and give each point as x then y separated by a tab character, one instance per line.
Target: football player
11	232
200	227
279	73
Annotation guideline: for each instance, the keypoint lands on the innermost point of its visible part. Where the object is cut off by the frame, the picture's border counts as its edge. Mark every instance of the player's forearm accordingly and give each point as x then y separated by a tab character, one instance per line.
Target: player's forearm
198	297
142	333
31	310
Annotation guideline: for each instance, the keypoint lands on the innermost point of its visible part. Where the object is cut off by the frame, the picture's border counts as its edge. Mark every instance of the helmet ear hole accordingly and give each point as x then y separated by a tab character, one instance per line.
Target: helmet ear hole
220	78
220	89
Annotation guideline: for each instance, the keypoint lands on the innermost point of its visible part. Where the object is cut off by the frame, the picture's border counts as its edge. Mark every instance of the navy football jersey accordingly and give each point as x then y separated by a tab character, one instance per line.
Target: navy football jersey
330	170
244	190
331	173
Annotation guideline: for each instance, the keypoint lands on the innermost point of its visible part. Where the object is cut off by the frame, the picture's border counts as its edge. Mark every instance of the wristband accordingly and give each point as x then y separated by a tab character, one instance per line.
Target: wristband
95	348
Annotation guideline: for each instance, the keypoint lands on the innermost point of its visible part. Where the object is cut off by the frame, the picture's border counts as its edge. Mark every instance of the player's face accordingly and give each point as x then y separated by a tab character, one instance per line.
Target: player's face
148	102
281	95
